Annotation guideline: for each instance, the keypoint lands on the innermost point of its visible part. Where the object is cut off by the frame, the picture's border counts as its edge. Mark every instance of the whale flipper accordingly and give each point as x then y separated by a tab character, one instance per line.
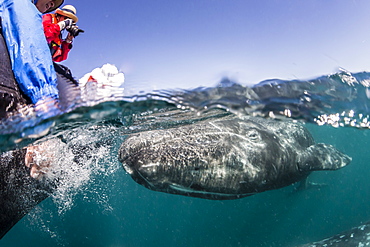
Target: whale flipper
322	157
307	185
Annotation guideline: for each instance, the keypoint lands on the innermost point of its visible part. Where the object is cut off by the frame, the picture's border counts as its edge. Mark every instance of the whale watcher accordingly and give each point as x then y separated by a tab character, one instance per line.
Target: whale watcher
63	19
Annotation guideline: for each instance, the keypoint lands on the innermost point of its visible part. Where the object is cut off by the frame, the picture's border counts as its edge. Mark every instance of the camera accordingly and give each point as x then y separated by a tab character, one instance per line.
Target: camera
74	30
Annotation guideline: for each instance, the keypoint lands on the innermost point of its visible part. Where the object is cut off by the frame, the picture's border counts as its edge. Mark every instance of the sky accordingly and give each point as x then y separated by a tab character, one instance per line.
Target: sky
162	44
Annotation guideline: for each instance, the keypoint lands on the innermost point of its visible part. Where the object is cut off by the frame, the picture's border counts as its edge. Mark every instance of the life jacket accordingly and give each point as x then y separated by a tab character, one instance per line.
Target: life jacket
55	45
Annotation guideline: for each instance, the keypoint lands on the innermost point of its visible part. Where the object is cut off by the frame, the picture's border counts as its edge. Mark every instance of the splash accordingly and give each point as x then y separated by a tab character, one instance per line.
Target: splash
73	164
74	160
101	85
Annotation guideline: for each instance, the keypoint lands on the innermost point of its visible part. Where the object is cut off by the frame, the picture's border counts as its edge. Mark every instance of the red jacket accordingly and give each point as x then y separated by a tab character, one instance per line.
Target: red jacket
59	48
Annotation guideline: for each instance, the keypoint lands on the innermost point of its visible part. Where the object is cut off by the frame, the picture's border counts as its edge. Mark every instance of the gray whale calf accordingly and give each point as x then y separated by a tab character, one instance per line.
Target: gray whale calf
226	158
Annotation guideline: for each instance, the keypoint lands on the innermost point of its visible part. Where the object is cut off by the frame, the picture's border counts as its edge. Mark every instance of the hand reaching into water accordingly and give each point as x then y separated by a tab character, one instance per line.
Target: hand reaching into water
38	159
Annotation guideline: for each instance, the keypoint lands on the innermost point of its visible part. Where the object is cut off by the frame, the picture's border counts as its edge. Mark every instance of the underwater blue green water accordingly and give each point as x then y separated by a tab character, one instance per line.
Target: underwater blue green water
103	206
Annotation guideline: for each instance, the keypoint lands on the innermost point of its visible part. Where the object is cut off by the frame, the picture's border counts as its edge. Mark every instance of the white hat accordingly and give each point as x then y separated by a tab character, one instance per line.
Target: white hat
68	11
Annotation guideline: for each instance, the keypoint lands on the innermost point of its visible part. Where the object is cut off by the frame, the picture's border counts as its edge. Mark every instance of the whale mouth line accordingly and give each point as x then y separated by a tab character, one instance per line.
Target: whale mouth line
146	180
127	168
199	192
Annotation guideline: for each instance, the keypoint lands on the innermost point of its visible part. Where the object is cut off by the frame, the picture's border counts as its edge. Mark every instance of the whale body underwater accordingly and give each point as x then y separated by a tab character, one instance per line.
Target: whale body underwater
358	236
226	158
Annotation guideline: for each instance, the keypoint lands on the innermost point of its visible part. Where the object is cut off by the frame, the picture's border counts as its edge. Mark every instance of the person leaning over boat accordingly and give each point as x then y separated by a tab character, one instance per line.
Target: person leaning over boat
28	51
46	6
63	19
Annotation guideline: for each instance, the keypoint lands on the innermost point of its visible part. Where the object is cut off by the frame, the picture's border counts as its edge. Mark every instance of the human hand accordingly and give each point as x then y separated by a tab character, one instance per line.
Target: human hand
38	159
69	38
67	23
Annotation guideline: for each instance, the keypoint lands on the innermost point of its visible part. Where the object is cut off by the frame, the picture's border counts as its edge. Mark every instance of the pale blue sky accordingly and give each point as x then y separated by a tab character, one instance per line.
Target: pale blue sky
188	43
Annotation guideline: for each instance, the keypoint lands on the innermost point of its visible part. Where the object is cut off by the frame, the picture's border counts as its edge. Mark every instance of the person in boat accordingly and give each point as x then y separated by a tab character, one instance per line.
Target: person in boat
64	19
27	72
